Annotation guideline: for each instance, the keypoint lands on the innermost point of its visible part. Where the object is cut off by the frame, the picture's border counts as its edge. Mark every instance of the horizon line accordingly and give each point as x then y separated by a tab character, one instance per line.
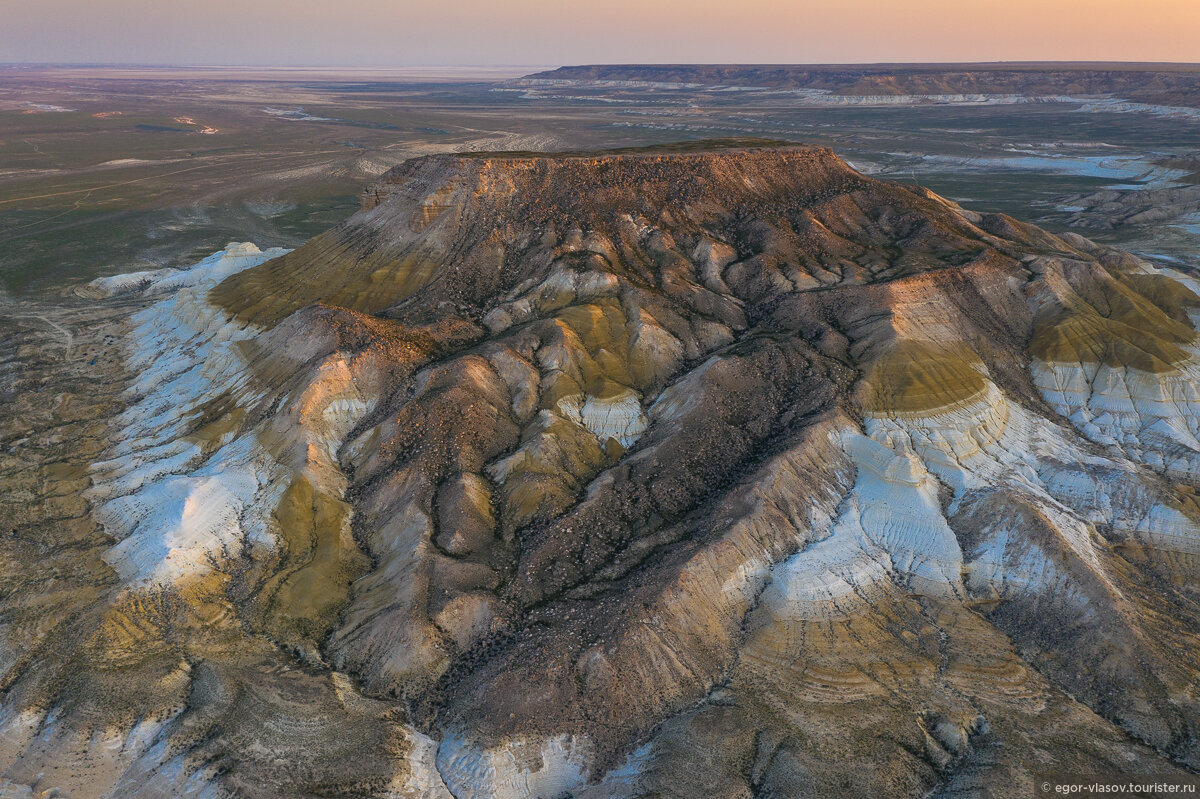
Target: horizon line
190	65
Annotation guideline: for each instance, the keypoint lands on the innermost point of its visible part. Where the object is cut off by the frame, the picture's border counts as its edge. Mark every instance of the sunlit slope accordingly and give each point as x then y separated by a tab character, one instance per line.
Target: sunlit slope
649	474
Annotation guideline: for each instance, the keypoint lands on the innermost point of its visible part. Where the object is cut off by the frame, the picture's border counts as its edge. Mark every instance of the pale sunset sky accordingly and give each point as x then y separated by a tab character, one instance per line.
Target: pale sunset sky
545	32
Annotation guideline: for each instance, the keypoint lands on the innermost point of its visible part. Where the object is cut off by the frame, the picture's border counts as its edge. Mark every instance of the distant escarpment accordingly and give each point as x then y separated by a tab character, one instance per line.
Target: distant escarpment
722	471
1161	84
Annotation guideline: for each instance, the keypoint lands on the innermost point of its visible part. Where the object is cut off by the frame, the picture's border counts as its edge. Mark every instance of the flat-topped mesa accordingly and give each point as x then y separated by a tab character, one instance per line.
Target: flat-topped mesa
753	221
579	183
1178	83
581	457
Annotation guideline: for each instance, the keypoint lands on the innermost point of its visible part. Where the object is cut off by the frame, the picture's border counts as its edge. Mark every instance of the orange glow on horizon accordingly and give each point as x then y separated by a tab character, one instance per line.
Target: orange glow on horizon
404	32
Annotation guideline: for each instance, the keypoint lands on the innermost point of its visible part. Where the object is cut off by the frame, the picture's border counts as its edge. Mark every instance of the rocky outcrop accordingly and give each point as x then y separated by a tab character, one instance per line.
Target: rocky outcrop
1115	208
722	471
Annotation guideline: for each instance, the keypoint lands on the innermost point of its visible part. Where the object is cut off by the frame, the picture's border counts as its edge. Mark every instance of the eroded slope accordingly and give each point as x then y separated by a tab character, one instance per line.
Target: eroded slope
725	473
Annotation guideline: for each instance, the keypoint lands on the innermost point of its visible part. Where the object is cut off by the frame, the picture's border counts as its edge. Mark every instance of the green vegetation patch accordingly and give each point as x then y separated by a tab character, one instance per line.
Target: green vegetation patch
333	269
303	599
1139	321
918	376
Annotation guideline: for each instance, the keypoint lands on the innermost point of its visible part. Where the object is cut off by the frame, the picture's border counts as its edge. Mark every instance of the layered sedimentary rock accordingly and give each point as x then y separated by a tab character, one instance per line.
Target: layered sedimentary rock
724	472
1118	207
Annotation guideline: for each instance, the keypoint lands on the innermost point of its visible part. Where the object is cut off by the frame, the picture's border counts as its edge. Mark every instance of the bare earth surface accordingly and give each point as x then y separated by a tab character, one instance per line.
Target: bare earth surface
659	466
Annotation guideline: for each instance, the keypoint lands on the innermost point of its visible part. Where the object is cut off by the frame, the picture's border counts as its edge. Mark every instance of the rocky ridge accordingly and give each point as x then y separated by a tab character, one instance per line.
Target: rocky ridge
718	472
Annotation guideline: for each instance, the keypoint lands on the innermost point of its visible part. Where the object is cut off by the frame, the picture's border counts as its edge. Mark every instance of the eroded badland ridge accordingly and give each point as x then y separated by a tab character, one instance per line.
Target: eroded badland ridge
712	471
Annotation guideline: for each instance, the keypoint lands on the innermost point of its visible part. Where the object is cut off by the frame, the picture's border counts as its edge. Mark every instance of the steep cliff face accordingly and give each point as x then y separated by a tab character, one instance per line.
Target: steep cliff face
725	472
